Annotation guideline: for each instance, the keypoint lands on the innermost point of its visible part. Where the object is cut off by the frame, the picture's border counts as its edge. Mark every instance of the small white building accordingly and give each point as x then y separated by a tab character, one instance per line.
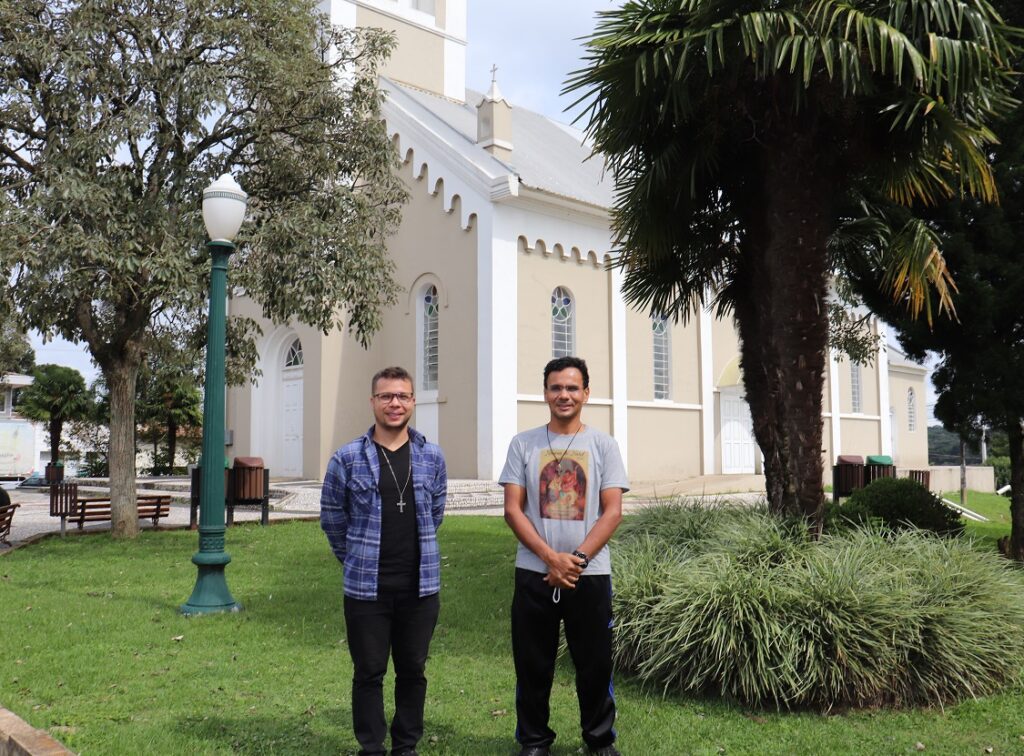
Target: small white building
22	442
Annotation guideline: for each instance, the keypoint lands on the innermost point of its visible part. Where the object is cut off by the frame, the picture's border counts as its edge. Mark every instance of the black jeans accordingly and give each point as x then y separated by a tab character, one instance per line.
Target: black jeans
400	624
587	613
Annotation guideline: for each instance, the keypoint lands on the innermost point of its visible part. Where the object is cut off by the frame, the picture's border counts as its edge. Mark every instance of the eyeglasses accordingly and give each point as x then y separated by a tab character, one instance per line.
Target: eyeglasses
557	389
387	398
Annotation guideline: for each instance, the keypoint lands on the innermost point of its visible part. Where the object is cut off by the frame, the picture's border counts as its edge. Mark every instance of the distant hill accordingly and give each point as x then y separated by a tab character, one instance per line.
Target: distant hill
944	448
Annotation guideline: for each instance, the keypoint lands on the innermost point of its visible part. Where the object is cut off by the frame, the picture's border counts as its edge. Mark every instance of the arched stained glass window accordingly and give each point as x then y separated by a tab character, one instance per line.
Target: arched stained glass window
911	410
294	356
563	323
662	357
428	345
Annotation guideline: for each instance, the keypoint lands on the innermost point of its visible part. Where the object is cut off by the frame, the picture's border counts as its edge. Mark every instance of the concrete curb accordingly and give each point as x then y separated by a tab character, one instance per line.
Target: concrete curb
19	738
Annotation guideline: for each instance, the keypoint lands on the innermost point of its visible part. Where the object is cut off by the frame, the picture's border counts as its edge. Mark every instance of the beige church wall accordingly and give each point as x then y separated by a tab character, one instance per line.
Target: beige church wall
538	275
911	446
684	352
859	436
664	444
431	247
826	446
826	390
418	59
725	351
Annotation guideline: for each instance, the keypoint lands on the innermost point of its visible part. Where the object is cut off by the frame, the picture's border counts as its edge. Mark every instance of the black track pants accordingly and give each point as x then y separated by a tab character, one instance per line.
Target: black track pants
587	613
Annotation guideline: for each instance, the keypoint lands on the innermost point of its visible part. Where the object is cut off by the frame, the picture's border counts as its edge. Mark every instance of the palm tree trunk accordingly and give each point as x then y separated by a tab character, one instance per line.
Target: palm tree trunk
1016	438
56	428
783	350
124	512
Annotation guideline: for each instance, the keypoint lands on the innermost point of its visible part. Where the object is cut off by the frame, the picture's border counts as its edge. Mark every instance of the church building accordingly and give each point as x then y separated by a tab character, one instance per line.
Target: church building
503	254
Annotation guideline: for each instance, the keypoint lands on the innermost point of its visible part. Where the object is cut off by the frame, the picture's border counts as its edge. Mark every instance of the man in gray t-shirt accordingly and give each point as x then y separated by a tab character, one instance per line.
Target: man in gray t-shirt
563	499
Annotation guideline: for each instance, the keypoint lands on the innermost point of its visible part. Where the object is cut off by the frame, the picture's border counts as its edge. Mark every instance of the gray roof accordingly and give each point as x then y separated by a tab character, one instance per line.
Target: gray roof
546	155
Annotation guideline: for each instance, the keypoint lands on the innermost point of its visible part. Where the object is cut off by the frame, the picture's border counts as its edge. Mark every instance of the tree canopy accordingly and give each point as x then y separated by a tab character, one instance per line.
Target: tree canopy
748	141
115	114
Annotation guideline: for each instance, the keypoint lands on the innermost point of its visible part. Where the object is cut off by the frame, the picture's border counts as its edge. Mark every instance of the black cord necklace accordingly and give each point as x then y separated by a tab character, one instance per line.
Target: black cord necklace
566	450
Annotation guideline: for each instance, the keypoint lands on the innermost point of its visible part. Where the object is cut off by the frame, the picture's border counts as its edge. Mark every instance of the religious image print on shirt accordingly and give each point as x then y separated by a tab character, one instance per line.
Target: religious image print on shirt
563	484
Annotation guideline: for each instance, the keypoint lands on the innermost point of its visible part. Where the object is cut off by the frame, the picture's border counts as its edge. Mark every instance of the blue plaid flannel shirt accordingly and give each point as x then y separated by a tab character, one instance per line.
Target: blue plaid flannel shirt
350	511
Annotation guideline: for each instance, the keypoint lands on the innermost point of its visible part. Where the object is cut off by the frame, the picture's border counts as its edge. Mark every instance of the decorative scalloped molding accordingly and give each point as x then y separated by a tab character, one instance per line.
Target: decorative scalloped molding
451	189
540	246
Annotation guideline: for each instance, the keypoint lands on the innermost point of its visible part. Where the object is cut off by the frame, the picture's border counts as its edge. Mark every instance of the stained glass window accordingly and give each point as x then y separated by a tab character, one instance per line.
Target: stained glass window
294	356
911	410
563	323
662	368
855	389
429	341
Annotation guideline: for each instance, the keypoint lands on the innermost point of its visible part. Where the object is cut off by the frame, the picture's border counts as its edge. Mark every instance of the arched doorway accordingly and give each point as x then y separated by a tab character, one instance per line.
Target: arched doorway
291	410
277	404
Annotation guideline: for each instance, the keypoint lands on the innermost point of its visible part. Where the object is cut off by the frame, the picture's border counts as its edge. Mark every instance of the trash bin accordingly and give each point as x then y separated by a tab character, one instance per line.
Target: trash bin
878	466
847	475
250	486
54	472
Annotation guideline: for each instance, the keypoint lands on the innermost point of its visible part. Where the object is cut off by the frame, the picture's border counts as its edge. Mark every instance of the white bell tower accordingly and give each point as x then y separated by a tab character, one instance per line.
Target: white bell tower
431	36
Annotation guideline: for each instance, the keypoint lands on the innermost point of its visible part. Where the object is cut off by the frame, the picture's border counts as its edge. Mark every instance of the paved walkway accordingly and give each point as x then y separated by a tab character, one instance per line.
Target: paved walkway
298	499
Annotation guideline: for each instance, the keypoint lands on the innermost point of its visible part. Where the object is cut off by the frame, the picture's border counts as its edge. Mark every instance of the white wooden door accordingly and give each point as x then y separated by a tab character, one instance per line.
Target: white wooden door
738	447
291	426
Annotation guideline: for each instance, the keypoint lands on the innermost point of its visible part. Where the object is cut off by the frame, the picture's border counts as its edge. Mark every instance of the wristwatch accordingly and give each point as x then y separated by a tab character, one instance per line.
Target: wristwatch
580	555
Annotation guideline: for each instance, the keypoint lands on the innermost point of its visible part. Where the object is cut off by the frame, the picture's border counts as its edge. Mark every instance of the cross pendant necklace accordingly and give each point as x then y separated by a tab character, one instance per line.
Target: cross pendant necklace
401	494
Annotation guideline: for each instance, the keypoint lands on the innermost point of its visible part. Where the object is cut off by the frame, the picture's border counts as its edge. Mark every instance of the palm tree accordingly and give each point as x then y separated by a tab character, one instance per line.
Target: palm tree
57	395
746	136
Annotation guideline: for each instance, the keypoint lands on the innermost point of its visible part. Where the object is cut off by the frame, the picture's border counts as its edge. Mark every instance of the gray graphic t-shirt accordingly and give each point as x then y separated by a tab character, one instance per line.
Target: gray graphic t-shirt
563	485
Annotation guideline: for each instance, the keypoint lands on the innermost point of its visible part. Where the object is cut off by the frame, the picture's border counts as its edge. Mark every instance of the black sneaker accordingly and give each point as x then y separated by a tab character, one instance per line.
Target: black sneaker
535	751
405	752
608	750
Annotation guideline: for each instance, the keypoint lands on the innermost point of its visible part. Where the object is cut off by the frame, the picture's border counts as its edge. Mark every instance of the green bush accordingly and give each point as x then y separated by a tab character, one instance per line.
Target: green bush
896	503
735	603
1002	470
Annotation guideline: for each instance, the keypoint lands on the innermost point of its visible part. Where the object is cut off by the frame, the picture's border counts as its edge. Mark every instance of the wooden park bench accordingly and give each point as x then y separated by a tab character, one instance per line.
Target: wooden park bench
68	505
6	516
924	477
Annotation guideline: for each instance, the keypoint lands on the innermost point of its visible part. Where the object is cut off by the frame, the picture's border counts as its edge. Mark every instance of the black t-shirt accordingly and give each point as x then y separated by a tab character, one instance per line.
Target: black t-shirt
399	566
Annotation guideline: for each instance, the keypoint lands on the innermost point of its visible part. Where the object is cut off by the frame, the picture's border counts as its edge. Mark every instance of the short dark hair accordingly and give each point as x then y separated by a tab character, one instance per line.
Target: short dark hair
564	363
393	373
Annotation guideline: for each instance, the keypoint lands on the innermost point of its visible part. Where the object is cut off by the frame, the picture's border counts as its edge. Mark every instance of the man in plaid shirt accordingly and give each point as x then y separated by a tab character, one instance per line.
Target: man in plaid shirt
382	503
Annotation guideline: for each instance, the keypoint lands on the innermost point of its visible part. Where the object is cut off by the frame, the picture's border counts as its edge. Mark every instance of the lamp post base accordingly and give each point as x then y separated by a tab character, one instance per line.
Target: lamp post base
211	594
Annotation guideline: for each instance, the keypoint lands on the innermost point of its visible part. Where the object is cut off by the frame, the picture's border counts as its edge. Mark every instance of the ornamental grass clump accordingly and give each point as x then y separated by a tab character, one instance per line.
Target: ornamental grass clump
747	607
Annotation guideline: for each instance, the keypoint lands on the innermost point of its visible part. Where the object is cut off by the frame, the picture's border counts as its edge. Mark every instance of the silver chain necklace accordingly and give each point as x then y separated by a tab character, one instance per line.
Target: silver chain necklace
401	494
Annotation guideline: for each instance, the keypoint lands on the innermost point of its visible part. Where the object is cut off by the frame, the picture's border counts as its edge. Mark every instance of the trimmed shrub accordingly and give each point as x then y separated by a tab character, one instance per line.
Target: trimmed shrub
752	610
896	504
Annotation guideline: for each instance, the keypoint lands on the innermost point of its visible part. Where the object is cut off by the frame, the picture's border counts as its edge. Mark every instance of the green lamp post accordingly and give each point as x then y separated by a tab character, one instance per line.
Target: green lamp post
223	212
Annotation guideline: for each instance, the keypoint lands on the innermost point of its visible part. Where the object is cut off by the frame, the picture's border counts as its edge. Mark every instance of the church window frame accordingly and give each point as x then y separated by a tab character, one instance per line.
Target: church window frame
911	410
429	337
662	357
856	389
563	322
293	357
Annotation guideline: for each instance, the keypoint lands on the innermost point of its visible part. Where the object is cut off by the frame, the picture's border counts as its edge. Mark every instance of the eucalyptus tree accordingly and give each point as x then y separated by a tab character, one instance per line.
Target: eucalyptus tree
115	114
746	140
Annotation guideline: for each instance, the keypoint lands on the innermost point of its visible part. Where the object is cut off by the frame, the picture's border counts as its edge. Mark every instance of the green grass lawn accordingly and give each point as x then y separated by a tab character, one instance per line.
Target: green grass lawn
991	505
96	652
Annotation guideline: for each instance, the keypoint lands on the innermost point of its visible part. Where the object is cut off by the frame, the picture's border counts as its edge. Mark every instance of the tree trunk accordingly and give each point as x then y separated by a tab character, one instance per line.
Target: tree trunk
1016	438
963	473
784	330
56	428
172	444
124	511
